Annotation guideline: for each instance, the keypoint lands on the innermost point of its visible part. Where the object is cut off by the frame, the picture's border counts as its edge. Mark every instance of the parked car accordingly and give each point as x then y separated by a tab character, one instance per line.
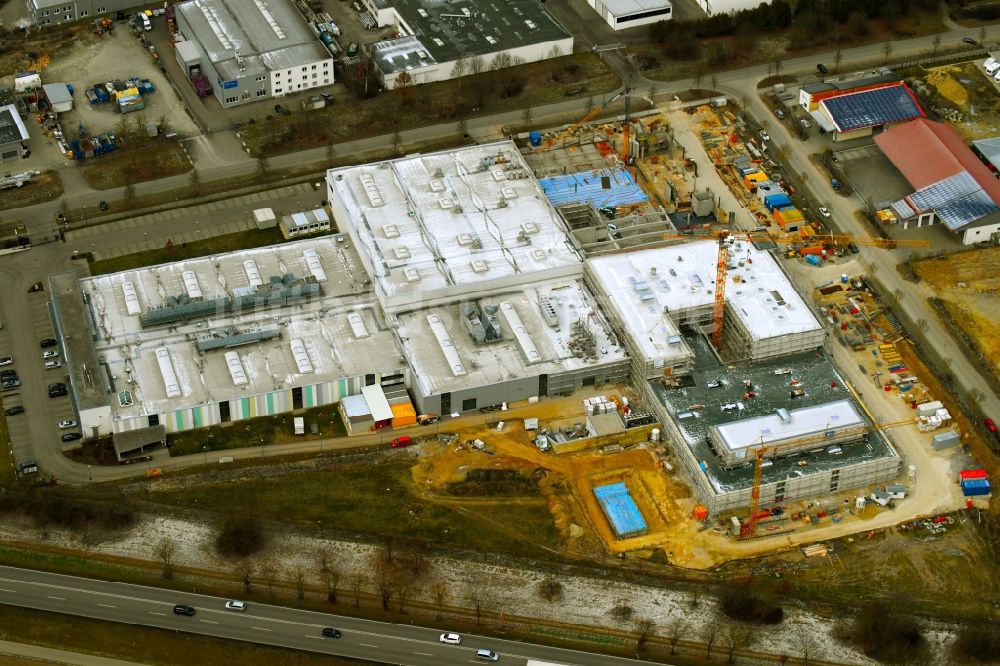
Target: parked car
805	123
428	419
451	639
990	425
330	632
50	365
48	342
14	411
239	606
821	68
71	436
27	467
50	354
991	66
280	110
181	609
764	135
779	113
825	212
56	386
9	384
6	360
104	206
8	374
401	442
68	423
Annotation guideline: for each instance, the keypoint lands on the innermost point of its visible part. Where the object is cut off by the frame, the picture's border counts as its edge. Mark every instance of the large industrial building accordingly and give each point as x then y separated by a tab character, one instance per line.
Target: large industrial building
251	50
220	339
436	41
713	7
861	113
480	276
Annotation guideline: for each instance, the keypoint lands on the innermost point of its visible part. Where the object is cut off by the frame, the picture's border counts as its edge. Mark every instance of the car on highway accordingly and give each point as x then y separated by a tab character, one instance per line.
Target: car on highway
330	632
825	212
852	248
764	135
14	411
401	442
48	342
970	40
50	354
821	68
181	609
6	360
239	606
71	436
451	639
68	423
487	655
52	365
990	425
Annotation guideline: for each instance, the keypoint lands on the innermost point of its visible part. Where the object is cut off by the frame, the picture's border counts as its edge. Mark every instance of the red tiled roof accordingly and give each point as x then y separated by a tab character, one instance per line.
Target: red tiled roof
927	152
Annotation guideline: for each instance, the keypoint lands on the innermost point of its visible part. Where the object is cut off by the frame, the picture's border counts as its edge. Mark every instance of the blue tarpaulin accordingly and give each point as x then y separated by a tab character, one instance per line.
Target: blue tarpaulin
619	507
588	186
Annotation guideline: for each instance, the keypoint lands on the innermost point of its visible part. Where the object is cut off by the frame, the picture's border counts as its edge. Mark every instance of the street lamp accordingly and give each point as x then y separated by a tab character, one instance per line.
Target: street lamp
204	450
261	448
90	476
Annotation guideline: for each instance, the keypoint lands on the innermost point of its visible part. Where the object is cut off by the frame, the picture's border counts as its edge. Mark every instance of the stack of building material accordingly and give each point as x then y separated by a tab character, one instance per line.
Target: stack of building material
129	100
815	550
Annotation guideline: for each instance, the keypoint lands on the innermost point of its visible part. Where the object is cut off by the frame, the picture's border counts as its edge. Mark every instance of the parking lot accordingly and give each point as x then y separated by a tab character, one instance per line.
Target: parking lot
38	424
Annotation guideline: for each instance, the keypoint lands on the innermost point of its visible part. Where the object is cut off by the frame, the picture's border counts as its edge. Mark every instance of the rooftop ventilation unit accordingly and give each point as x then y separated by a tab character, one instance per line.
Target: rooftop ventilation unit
529	228
191	285
412	274
236	371
253	275
368	183
446	344
401	252
314	265
437	185
358	327
479	266
524	341
390	231
167	372
131	299
301	357
508	192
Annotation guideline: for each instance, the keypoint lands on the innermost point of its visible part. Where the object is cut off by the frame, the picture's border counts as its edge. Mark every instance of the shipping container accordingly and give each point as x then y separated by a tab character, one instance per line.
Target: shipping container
971	474
974	487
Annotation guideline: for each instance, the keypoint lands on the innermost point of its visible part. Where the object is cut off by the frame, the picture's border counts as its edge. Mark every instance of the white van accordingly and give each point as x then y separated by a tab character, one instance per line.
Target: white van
147	25
992	67
49	365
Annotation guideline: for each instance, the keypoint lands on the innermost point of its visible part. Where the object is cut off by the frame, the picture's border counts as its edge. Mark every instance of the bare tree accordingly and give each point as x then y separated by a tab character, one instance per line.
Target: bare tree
165	550
460	69
357	582
385	589
887	50
331	578
710	634
263	167
643	630
476	599
477	65
403	591
805	645
419	562
694	596
194	178
300	583
735	636
244	569
323	560
837	57
268	572
439	591
936	43
678	627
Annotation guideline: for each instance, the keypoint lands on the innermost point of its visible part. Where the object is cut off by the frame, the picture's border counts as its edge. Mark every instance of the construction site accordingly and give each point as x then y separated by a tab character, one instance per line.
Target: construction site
756	422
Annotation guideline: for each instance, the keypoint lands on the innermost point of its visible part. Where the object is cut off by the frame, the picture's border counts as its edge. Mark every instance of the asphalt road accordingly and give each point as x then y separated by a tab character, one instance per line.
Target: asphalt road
271	625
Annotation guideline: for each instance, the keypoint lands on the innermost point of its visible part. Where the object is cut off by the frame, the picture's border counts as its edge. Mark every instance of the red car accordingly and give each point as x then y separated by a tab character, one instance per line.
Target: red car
990	425
400	442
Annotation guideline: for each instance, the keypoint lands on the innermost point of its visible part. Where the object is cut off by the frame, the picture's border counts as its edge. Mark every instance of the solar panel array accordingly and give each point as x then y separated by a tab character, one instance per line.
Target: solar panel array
957	200
870	108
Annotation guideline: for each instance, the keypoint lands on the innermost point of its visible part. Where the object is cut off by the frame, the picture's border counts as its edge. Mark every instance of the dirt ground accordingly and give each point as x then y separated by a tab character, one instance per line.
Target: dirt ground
964	96
136	164
968	283
117	55
44	187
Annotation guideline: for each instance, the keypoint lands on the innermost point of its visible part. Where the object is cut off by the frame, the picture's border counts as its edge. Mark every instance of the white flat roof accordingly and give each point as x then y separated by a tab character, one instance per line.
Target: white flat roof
332	336
801	423
436	226
645	284
627	7
533	348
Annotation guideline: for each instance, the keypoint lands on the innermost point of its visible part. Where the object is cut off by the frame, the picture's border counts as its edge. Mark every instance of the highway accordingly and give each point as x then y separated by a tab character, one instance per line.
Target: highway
267	624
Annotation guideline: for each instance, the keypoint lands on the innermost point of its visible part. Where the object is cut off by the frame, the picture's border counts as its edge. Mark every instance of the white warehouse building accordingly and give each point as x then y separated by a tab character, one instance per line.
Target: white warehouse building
438	41
713	7
624	14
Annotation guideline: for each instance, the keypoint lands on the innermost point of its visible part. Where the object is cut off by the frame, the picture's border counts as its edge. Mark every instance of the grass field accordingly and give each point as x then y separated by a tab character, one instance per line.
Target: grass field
379	500
213	245
136	165
266	429
146	645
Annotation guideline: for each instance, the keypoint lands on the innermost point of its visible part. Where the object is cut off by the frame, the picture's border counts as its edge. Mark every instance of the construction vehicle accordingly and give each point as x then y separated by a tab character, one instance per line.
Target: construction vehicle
748	527
580	123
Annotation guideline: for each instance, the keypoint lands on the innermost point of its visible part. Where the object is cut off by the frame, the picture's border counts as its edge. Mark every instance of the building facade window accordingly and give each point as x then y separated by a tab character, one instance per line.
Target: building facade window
261	93
231	100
